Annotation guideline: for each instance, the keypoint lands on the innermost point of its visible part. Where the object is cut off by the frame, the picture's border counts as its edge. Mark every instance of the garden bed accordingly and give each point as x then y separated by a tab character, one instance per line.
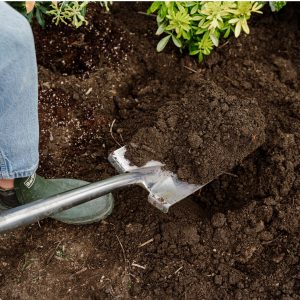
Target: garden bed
103	86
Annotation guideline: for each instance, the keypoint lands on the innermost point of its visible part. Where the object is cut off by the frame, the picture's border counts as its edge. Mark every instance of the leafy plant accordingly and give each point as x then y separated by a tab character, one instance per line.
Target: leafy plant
32	9
199	25
277	5
72	12
67	12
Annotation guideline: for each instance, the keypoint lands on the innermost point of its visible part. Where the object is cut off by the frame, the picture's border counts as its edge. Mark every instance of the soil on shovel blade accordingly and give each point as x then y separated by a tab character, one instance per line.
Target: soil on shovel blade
237	114
201	133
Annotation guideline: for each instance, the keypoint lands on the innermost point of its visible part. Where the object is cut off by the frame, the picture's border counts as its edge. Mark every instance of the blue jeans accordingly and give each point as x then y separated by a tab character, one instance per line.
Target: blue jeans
19	130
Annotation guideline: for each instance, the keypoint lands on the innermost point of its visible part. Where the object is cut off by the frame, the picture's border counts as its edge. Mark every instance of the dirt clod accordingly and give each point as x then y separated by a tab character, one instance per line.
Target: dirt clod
207	140
218	220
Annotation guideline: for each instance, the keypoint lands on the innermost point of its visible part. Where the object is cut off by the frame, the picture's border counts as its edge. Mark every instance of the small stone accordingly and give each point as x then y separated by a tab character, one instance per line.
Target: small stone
260	226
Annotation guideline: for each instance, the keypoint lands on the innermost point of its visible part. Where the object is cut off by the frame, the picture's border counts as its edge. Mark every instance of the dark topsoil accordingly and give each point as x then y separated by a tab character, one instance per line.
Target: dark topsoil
201	133
104	86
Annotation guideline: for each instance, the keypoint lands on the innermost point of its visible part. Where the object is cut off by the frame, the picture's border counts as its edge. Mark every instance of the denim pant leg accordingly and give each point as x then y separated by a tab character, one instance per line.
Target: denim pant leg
19	132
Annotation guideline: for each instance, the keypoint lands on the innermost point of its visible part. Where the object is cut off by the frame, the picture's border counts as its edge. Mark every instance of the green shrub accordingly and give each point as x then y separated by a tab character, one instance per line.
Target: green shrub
199	25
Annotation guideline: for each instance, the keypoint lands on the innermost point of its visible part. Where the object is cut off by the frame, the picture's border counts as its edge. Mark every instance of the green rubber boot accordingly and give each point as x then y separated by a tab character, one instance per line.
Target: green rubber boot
36	187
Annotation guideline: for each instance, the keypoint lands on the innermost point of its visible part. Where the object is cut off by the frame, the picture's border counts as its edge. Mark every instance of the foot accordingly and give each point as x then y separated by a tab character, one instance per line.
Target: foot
35	187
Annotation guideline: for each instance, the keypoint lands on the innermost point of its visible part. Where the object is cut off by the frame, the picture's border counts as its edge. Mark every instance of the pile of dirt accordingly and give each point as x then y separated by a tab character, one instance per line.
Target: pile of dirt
237	239
201	133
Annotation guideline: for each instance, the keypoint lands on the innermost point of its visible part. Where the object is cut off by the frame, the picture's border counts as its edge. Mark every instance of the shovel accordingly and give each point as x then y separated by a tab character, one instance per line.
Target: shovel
164	187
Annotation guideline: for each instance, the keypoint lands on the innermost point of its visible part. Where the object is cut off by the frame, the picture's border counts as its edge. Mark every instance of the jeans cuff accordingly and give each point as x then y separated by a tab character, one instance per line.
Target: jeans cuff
6	173
17	174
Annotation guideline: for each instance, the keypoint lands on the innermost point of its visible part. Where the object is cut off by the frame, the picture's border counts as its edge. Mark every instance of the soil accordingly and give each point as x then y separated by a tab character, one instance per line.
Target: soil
201	133
103	85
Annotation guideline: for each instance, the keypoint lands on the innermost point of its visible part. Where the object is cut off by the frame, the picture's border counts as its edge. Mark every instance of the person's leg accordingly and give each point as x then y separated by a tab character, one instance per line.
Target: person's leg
6	184
19	132
19	128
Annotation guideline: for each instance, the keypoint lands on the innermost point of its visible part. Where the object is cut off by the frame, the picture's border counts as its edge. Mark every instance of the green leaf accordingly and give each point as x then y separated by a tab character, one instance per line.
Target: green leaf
214	39
237	30
29	16
227	32
194	9
189	3
160	29
194	52
200	56
197	18
163	43
176	41
154	7
245	27
40	18
42	9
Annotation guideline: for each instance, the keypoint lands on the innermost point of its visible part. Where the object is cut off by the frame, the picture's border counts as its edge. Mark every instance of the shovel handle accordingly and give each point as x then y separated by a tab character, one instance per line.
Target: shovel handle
32	212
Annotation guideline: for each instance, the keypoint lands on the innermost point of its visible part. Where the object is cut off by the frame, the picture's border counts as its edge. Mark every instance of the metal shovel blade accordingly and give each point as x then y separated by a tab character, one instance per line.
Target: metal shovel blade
164	187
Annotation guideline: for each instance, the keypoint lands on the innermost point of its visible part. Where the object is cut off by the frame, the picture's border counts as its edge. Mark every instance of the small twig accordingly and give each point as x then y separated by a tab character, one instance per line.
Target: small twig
223	44
178	270
93	276
79	272
228	78
190	69
89	91
145	14
230	174
124	254
133	276
111	132
52	253
63	162
138	266
146	243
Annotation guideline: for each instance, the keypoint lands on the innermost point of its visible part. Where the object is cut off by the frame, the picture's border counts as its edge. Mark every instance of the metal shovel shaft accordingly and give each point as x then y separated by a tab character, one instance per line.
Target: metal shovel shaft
32	212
